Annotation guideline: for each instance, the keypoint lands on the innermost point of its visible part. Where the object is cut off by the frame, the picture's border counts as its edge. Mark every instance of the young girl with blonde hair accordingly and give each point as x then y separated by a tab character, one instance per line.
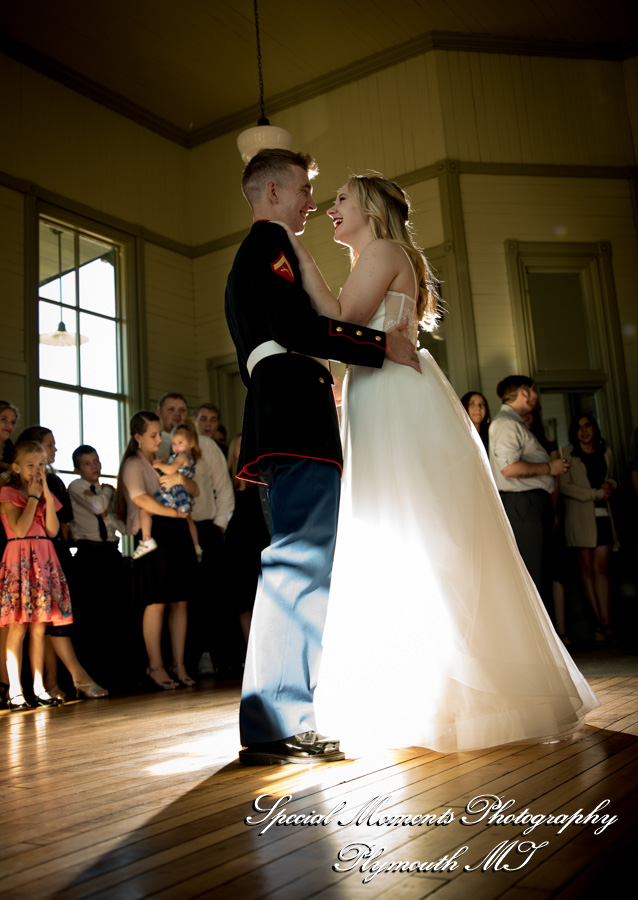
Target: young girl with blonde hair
33	589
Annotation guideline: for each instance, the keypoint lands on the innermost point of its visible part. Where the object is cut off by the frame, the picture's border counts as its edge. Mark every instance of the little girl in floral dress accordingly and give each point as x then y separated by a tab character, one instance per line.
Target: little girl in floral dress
33	589
186	452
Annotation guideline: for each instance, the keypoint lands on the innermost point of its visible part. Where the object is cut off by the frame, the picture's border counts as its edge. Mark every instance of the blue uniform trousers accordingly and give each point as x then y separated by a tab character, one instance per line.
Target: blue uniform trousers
284	648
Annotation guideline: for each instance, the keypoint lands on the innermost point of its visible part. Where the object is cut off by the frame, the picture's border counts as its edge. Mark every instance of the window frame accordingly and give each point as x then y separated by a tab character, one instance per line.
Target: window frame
129	307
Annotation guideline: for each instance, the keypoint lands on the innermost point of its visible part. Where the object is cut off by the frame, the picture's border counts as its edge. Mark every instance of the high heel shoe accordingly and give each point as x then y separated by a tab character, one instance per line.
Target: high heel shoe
91	690
45	699
160	685
187	681
56	691
17	703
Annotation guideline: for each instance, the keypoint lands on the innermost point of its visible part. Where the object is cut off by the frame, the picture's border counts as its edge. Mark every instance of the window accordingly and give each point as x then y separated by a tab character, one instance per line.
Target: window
81	379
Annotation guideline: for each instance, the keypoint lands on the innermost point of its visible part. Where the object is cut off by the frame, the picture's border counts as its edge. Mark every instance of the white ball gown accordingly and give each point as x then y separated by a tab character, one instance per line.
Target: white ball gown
435	635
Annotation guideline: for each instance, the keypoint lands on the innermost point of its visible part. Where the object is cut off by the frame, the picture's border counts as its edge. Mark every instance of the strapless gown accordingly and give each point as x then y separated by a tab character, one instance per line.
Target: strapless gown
435	634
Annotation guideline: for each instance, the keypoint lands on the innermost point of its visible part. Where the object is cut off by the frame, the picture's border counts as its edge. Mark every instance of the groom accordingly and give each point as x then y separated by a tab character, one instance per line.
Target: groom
290	441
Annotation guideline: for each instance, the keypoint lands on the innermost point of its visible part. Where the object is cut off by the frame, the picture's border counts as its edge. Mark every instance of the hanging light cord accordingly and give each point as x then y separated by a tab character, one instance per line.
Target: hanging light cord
263	120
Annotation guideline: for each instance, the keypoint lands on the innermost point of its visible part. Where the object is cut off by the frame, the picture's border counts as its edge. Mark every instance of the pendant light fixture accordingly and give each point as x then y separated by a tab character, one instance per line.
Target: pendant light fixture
61	337
252	140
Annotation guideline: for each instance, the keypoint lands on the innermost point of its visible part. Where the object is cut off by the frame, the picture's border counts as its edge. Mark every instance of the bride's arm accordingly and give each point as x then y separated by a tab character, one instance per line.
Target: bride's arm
376	268
321	297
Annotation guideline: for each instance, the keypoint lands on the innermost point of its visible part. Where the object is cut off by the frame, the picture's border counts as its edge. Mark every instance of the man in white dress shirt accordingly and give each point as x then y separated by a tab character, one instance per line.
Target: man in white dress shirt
525	477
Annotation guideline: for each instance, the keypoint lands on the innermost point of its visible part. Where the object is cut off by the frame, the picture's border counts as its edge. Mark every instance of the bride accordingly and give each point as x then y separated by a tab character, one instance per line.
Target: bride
435	634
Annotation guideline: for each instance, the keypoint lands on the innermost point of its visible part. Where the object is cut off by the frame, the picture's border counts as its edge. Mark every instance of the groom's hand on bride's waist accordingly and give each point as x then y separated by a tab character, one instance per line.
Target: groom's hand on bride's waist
399	349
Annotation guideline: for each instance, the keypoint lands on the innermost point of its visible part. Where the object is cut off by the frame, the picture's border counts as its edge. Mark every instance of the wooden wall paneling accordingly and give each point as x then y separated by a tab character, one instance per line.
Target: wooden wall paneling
534	109
78	149
478	101
494	113
621	423
12	291
576	138
459	298
389	124
136	362
212	338
450	141
462	108
502	115
523	117
170	322
31	313
435	148
508	84
426	204
630	81
414	114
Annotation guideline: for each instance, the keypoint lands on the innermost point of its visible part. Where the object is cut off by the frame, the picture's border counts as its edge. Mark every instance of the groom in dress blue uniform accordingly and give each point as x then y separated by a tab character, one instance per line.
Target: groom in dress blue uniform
290	441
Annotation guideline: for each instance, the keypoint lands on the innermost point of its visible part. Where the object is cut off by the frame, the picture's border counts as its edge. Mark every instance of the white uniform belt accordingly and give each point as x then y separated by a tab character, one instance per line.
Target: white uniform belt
261	351
272	348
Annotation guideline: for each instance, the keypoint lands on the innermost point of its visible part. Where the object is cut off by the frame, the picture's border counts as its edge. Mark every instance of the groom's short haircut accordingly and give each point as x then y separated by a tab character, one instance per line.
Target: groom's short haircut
273	165
508	388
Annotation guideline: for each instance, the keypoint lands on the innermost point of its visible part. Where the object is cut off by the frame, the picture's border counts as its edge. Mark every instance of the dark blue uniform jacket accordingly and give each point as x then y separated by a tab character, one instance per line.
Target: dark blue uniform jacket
290	409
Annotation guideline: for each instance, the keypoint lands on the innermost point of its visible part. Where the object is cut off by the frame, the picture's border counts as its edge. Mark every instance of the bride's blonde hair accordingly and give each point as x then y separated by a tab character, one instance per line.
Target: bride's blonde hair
388	208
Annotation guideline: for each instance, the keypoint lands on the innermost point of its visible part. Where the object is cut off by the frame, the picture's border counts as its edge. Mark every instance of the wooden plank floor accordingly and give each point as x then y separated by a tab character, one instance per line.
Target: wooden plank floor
143	796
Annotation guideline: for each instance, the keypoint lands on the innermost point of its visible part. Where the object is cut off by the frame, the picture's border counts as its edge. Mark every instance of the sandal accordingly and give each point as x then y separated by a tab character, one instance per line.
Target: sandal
56	691
187	681
91	690
160	685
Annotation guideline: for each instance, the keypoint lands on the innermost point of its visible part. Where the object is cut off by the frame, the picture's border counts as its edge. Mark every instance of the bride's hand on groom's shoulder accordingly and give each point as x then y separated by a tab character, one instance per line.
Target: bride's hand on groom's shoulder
399	349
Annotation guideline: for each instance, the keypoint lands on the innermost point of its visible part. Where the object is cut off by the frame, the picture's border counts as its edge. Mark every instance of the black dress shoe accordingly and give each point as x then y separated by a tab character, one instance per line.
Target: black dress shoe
45	699
305	748
17	703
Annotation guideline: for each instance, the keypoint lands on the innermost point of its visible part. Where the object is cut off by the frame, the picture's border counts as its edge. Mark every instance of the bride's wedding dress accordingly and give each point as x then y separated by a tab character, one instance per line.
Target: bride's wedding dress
435	634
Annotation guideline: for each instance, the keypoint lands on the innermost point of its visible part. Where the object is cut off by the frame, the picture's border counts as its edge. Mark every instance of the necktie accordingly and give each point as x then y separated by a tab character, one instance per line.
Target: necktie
101	524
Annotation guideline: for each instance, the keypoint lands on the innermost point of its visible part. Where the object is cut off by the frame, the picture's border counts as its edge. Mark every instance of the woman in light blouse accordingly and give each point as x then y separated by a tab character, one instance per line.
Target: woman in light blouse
162	577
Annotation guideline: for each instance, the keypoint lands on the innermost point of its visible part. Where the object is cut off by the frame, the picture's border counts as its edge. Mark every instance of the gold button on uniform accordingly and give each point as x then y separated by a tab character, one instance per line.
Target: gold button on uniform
377	337
321	381
358	333
338	328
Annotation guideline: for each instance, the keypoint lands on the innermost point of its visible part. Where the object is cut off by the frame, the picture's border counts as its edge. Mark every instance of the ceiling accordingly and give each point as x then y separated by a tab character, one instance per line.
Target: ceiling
189	70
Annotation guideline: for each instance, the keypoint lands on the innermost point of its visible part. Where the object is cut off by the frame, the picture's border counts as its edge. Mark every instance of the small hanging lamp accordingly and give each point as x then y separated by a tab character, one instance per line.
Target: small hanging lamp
252	140
61	337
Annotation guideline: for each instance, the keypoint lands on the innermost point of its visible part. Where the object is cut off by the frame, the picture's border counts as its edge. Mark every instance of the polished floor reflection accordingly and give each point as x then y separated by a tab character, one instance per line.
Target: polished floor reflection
143	796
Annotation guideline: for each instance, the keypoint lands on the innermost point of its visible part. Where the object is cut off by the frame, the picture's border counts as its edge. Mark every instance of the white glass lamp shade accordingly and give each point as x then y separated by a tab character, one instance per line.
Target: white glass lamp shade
252	140
62	338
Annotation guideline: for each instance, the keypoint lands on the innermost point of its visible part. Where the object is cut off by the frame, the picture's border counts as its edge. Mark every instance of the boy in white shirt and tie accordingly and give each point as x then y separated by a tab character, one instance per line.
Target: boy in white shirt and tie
101	595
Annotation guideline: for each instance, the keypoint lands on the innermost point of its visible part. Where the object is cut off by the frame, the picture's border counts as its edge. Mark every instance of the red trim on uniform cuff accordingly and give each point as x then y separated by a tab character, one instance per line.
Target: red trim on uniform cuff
380	344
246	475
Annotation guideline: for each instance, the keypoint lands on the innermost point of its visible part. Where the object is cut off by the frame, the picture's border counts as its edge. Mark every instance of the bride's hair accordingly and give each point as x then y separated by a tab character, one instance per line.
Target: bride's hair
388	207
